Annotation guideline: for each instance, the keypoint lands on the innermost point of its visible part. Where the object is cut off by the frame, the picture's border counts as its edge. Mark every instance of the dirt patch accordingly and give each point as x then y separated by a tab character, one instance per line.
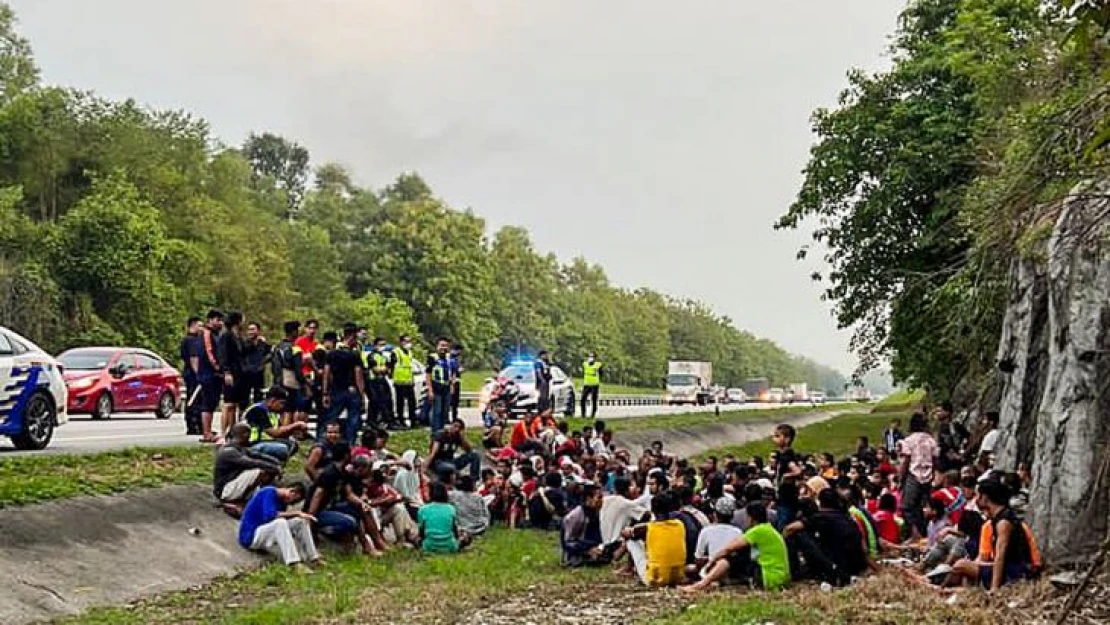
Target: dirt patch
586	604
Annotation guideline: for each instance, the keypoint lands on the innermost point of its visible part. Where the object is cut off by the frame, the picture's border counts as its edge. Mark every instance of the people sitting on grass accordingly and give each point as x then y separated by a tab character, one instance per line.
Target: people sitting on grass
758	556
452	452
581	533
438	524
337	503
474	514
268	524
240	470
320	455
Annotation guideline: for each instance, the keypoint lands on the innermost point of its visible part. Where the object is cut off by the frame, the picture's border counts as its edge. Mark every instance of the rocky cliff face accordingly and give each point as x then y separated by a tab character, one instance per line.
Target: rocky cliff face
1055	363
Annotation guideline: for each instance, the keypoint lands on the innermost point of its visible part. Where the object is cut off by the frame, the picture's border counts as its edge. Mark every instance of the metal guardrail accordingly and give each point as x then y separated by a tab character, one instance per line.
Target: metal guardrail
470	400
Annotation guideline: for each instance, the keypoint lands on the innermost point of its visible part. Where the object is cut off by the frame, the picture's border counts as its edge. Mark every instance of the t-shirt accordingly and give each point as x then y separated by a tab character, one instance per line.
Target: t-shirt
332	480
785	457
772	557
714	538
990	441
307	346
204	350
437	522
448	444
887	526
840	539
920	449
264	507
543	376
342	362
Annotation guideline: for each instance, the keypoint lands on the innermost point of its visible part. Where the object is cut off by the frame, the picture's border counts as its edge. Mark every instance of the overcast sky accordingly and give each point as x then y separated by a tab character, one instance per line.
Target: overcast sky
660	139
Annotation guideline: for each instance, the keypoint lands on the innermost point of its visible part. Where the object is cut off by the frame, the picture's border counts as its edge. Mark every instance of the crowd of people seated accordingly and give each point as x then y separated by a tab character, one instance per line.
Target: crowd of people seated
930	502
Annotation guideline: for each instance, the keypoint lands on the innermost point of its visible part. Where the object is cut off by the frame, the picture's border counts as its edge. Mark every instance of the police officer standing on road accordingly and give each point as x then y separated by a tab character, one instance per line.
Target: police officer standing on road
379	365
456	379
543	381
591	382
403	387
439	384
190	345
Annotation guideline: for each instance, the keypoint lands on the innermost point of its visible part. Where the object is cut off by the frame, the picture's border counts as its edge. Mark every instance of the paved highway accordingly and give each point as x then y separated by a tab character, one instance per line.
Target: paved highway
83	435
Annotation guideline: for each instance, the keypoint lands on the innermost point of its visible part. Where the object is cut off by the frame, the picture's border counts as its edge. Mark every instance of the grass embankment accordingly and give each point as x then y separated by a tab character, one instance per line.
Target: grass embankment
472	382
35	479
515	577
836	436
901	401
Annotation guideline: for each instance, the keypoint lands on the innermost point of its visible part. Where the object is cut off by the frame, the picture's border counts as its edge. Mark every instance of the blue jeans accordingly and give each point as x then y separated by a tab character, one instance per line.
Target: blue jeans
337	521
470	460
278	449
441	408
345	400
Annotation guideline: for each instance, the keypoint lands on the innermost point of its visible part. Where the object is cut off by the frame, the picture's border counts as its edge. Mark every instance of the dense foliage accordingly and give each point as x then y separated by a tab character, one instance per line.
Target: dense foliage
930	178
116	222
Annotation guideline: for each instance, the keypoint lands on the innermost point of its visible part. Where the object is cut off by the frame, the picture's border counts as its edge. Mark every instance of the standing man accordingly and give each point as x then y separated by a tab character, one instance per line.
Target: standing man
456	379
189	346
288	370
342	387
379	365
207	365
543	381
403	386
256	353
439	384
232	358
306	342
591	382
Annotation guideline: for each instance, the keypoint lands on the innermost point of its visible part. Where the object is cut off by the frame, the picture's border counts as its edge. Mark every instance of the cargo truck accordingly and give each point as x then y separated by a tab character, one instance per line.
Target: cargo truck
757	389
799	392
689	382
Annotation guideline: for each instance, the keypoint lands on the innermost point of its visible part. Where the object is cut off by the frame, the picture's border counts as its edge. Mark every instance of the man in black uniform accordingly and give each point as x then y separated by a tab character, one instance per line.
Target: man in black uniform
379	366
543	382
456	379
190	345
256	353
342	386
230	352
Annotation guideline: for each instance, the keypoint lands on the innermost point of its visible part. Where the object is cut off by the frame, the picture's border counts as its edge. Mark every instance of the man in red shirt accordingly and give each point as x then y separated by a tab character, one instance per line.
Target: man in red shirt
307	344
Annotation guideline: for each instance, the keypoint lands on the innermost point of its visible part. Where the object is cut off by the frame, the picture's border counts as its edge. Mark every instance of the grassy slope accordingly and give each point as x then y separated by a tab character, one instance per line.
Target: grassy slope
836	436
514	577
33	479
900	401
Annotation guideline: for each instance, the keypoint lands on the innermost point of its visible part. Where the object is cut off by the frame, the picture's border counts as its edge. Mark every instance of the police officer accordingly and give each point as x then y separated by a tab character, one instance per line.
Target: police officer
439	384
543	381
456	379
591	382
379	366
403	388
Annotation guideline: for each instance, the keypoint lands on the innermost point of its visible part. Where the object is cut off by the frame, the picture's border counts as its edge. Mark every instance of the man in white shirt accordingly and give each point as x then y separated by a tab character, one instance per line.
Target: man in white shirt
990	439
719	533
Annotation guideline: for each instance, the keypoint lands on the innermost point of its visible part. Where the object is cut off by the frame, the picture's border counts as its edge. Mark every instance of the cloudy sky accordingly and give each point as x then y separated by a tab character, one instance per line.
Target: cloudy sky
660	139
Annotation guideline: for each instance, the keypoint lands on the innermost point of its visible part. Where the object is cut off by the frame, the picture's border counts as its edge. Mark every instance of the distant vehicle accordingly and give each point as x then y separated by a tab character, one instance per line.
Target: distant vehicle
757	389
32	392
106	380
860	394
776	395
798	392
736	396
523	374
817	397
689	382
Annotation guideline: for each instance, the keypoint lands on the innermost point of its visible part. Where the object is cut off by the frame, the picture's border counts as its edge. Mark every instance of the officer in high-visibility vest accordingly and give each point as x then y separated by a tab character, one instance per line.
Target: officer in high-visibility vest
591	382
379	366
268	436
438	371
403	384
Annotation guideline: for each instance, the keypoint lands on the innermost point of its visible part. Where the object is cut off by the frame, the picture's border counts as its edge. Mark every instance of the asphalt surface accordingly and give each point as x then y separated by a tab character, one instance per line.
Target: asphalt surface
83	435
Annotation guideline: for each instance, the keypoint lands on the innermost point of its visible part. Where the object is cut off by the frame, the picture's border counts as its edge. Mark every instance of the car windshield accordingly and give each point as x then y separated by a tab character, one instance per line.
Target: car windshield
681	379
85	361
520	373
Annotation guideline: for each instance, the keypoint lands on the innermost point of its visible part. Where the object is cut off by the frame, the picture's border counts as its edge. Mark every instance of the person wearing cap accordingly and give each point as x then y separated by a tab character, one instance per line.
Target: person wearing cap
591	383
403	387
768	566
716	535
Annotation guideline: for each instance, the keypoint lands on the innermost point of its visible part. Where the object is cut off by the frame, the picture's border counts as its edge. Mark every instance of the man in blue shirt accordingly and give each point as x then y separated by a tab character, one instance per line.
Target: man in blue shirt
439	384
268	526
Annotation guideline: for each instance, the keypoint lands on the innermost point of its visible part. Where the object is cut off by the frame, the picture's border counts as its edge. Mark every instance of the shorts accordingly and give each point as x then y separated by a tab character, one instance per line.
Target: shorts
1011	573
239	488
208	400
237	393
297	401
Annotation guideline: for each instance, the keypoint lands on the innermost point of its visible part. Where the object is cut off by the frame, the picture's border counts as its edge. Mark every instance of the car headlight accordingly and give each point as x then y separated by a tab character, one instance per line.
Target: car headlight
81	383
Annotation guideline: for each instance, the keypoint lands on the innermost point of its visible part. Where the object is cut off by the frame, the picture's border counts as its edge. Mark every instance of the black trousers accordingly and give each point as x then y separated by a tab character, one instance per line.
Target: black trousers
456	393
405	393
381	402
588	393
192	410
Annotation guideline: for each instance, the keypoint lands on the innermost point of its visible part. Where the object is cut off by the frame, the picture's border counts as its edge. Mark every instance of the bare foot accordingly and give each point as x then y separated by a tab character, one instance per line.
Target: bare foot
691	588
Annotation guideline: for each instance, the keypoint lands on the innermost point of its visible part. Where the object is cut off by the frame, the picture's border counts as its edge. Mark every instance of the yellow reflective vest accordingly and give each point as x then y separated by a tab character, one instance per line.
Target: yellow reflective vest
591	373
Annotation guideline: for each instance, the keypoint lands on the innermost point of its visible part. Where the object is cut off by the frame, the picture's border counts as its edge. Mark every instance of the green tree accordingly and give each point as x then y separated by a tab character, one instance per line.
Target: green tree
278	161
18	72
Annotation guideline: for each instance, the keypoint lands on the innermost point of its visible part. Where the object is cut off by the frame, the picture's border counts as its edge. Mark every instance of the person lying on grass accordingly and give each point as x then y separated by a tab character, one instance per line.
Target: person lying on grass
771	567
268	525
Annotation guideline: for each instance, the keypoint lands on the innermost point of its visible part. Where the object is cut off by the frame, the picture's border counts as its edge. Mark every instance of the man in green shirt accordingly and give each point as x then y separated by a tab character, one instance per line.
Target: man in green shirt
771	568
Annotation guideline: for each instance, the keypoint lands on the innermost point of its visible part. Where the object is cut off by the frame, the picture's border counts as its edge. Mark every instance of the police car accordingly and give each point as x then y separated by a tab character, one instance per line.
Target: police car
32	392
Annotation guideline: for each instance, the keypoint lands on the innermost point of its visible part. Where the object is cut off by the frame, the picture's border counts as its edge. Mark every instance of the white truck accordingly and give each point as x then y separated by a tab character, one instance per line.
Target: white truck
799	392
689	382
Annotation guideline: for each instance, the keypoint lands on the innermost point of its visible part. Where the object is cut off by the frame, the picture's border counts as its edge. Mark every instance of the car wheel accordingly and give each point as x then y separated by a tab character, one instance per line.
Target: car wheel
165	406
104	407
38	424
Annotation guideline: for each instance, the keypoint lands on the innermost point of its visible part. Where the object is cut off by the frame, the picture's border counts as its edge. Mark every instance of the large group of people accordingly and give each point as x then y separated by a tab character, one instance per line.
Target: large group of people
929	501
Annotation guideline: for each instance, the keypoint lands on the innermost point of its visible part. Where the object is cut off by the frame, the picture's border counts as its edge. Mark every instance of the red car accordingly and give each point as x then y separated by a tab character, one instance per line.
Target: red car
104	380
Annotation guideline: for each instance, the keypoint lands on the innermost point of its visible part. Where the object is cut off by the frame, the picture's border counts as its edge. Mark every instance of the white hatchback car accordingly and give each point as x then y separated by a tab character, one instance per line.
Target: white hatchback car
32	392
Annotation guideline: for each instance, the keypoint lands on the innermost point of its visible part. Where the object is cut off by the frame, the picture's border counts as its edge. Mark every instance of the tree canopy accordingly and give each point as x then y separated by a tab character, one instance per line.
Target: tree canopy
118	221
